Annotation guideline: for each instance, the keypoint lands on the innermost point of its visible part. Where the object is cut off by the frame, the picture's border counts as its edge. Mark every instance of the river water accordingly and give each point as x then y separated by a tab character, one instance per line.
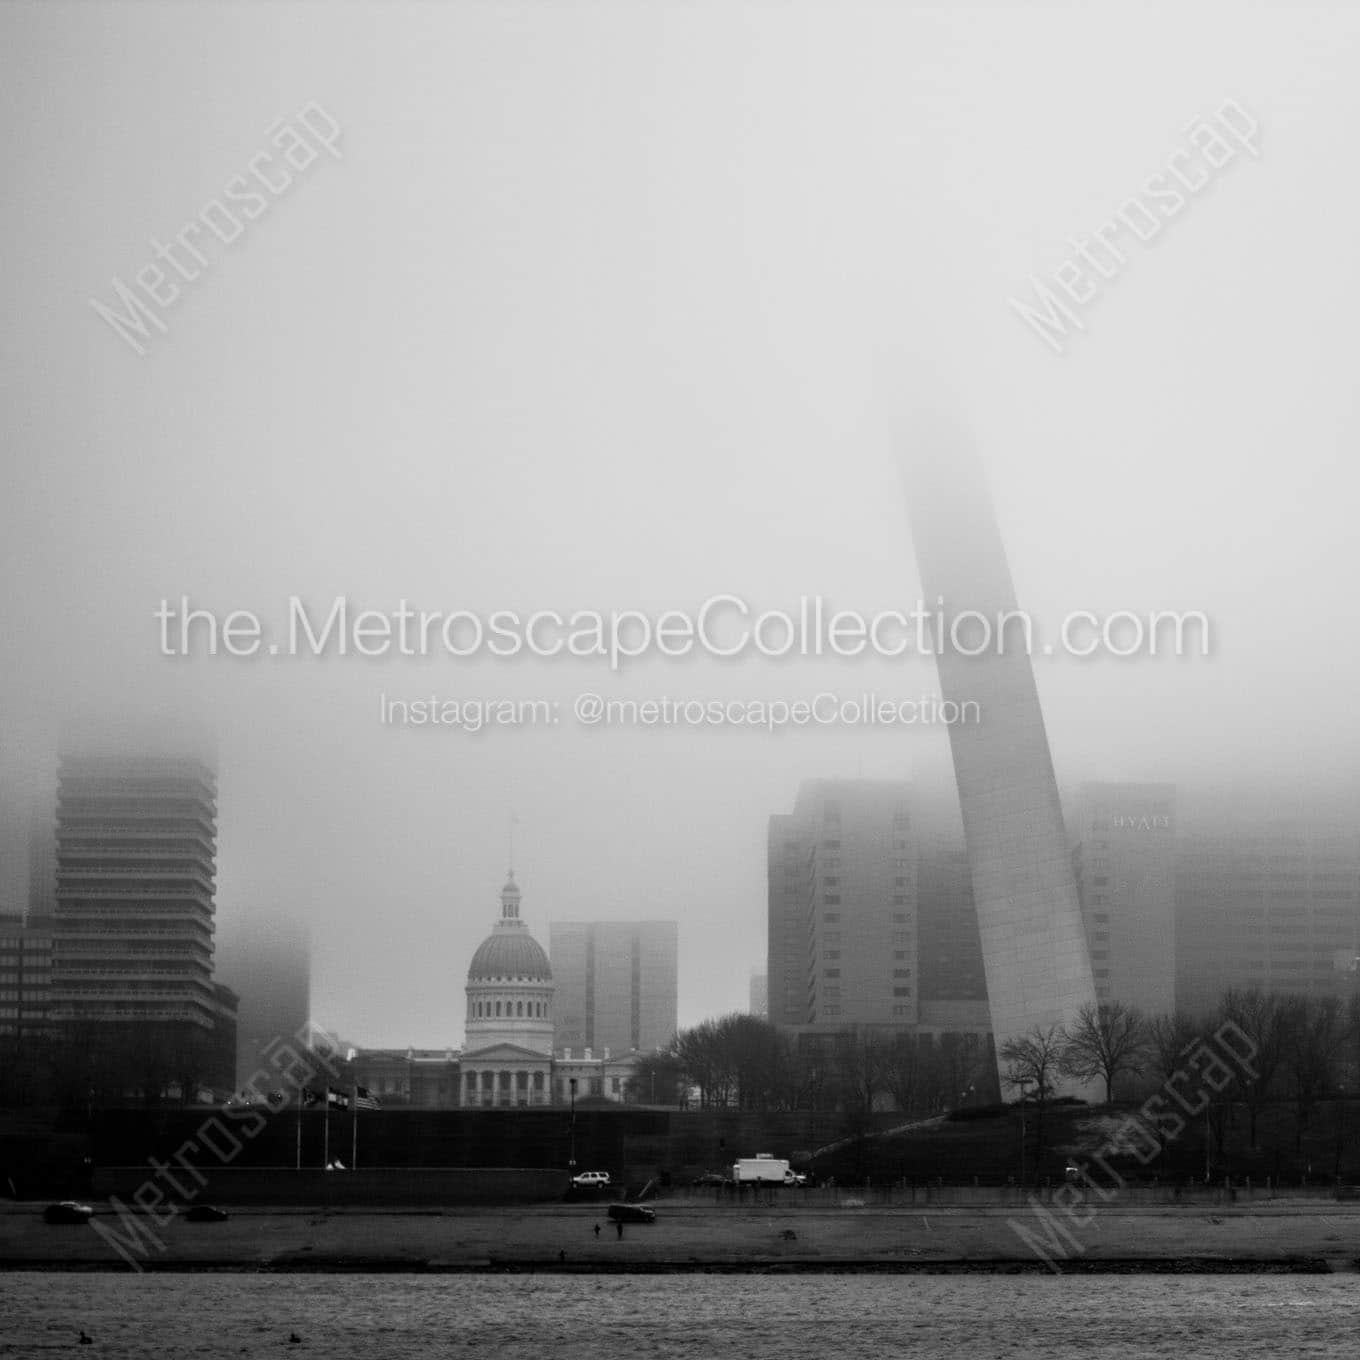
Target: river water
562	1317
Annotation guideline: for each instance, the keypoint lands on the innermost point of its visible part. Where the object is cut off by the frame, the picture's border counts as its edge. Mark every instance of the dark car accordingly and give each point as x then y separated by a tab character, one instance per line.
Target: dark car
630	1213
68	1211
711	1178
206	1213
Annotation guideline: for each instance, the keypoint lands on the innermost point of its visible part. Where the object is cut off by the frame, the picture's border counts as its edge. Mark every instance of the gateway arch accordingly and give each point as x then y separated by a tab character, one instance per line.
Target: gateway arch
1035	957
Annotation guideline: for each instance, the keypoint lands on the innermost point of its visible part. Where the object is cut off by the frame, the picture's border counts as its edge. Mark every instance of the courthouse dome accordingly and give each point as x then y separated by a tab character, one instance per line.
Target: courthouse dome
510	952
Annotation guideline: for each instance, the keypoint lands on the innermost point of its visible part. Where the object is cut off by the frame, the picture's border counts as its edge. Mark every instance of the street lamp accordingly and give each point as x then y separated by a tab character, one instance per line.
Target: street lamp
1022	1083
571	1164
1340	1129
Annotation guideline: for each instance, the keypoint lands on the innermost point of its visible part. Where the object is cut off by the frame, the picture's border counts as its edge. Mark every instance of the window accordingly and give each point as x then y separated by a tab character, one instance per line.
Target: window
498	1008
900	954
899	918
831	953
831	900
831	917
901	972
901	991
831	972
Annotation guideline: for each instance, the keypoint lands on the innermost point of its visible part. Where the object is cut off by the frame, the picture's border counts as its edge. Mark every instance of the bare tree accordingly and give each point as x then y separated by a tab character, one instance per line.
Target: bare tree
1168	1038
1034	1059
1313	1034
903	1071
1261	1016
658	1079
1105	1041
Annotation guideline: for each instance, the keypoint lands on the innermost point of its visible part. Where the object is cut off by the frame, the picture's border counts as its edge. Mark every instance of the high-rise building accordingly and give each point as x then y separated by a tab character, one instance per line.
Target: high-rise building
133	945
617	984
1029	918
1124	859
758	1002
42	861
950	950
1267	896
266	959
25	974
842	884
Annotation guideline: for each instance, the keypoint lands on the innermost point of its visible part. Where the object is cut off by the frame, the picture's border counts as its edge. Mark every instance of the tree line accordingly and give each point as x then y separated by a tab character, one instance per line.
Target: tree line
740	1061
1303	1050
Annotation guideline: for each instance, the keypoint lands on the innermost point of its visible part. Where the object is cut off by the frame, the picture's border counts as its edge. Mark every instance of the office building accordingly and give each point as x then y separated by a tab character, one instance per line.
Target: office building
842	885
42	861
1124	861
1267	895
950	950
266	959
758	1000
132	960
616	984
25	974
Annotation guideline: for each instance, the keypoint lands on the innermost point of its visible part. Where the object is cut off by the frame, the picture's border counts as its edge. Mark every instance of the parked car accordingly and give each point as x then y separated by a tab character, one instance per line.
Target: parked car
630	1213
68	1211
586	1180
711	1178
206	1213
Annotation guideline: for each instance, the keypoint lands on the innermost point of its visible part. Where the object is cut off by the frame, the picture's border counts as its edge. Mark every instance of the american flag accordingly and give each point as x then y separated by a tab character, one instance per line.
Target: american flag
364	1099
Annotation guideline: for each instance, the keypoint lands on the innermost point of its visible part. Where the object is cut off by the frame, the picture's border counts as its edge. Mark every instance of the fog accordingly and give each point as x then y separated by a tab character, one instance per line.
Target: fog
618	307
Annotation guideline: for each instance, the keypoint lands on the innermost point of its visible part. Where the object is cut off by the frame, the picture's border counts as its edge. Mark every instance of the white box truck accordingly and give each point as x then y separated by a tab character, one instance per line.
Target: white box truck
763	1169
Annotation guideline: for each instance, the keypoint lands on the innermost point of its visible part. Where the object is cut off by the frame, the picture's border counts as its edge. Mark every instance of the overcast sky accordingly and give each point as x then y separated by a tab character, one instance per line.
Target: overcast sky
621	306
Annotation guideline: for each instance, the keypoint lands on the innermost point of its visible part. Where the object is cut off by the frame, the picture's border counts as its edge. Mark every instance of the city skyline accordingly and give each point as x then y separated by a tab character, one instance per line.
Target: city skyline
438	1022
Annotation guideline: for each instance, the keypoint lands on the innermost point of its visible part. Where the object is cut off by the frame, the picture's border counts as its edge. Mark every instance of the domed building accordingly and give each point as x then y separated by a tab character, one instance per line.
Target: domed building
507	1056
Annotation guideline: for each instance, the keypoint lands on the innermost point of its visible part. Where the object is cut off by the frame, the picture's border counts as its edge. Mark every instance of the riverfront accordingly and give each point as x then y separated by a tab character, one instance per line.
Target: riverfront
1319	1235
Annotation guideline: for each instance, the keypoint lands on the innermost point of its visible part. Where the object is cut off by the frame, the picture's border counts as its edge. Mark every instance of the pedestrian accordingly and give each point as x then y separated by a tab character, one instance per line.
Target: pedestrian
597	1230
619	1226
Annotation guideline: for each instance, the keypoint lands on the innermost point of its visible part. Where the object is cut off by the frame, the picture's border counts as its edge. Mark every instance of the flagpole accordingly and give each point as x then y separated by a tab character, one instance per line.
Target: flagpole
326	1129
354	1128
300	1100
